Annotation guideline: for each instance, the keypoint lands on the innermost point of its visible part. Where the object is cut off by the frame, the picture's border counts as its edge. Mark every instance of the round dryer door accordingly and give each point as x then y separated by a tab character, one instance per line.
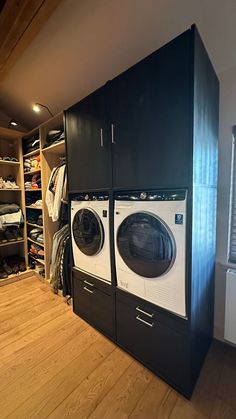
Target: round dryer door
146	244
88	231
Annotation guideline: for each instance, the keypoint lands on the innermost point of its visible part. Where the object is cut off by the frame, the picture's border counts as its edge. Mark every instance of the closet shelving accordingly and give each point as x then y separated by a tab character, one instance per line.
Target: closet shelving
10	146
49	159
34	194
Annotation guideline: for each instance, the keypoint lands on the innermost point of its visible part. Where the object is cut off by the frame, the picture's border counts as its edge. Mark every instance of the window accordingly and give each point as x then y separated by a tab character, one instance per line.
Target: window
232	231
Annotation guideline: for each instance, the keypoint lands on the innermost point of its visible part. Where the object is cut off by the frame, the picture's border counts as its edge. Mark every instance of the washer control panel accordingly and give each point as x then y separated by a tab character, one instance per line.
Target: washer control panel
154	195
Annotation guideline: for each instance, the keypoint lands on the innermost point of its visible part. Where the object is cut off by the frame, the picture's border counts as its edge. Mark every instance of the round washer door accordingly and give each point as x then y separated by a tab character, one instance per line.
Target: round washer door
88	231
146	244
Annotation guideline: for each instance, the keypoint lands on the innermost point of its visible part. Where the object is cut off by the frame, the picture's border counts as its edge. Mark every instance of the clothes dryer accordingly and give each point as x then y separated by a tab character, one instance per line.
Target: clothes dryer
90	234
150	246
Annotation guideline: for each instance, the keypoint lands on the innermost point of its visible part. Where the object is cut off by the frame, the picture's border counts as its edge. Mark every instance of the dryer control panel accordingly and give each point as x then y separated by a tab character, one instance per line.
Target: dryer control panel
91	196
153	195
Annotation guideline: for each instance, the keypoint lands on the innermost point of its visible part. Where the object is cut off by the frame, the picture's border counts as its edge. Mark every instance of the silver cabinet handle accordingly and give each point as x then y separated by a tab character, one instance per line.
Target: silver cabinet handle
88	283
143	321
112	134
144	312
101	137
86	289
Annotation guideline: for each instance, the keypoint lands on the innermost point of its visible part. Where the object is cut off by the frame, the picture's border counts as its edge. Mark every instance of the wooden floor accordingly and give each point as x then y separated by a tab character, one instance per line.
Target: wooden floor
53	365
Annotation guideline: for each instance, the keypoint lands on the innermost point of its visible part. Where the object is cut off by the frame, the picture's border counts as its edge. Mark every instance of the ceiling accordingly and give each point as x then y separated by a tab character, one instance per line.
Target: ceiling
82	44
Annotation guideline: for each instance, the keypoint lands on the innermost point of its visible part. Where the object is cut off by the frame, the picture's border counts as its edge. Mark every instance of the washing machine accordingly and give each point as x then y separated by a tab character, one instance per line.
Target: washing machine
90	234
150	246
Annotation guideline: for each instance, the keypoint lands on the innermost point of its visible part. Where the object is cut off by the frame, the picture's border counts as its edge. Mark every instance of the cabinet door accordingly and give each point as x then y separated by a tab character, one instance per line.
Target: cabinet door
150	118
159	347
94	305
88	148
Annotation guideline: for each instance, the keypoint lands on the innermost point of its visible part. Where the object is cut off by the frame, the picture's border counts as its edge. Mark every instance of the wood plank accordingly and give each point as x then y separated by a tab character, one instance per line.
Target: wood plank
20	22
28	304
222	410
33	311
56	376
56	334
84	399
28	338
124	395
226	388
151	400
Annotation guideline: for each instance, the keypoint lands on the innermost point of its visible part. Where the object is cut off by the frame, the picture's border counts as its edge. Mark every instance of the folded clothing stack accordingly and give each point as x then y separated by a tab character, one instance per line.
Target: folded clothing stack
34	218
32	163
8	183
34	182
11	265
30	143
10	234
10	214
36	251
37	235
54	136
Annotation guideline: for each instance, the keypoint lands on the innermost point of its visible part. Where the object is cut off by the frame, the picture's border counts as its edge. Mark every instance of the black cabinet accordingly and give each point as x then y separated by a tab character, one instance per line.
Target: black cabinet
88	148
94	301
155	340
137	126
150	114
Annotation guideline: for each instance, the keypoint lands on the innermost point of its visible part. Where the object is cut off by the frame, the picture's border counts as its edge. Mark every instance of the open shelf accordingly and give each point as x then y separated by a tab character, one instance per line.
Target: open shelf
32	153
35	242
37	208
11	189
10	163
37	259
31	172
33	190
9	243
34	225
56	148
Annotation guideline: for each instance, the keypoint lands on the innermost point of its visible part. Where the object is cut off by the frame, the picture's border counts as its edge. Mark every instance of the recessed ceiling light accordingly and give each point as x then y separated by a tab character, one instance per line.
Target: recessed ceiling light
14	123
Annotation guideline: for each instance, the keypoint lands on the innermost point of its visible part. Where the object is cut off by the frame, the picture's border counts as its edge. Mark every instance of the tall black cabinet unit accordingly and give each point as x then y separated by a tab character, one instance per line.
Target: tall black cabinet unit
159	126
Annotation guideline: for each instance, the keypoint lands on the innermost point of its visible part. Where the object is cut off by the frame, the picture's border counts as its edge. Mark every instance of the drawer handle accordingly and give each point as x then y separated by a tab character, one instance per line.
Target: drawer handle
144	312
88	283
88	290
143	321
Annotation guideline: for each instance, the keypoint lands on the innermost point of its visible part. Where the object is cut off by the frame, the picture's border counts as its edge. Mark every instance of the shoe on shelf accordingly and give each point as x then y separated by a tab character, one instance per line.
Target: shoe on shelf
9	234
2	183
2	237
16	233
7	268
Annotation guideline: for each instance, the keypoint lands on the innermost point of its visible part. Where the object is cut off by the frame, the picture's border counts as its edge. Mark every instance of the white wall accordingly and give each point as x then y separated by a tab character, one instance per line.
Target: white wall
227	120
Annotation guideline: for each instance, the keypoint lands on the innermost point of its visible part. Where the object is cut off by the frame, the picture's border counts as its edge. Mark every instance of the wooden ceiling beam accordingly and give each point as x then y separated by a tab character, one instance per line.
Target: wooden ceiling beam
20	22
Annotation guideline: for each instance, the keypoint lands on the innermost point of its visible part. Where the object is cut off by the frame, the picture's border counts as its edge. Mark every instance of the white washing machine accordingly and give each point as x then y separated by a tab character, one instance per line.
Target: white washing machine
90	234
150	246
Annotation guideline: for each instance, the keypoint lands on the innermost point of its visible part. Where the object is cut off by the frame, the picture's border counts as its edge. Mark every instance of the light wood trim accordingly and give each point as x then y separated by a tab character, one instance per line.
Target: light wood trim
35	242
32	172
34	225
10	163
32	153
20	22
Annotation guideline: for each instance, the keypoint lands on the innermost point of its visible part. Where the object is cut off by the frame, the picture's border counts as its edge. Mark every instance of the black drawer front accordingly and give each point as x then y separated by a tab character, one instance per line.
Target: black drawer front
159	347
101	285
168	319
95	306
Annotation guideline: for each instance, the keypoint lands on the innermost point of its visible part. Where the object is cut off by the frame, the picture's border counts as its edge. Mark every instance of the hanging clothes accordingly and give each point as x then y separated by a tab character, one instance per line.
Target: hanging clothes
55	193
59	269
